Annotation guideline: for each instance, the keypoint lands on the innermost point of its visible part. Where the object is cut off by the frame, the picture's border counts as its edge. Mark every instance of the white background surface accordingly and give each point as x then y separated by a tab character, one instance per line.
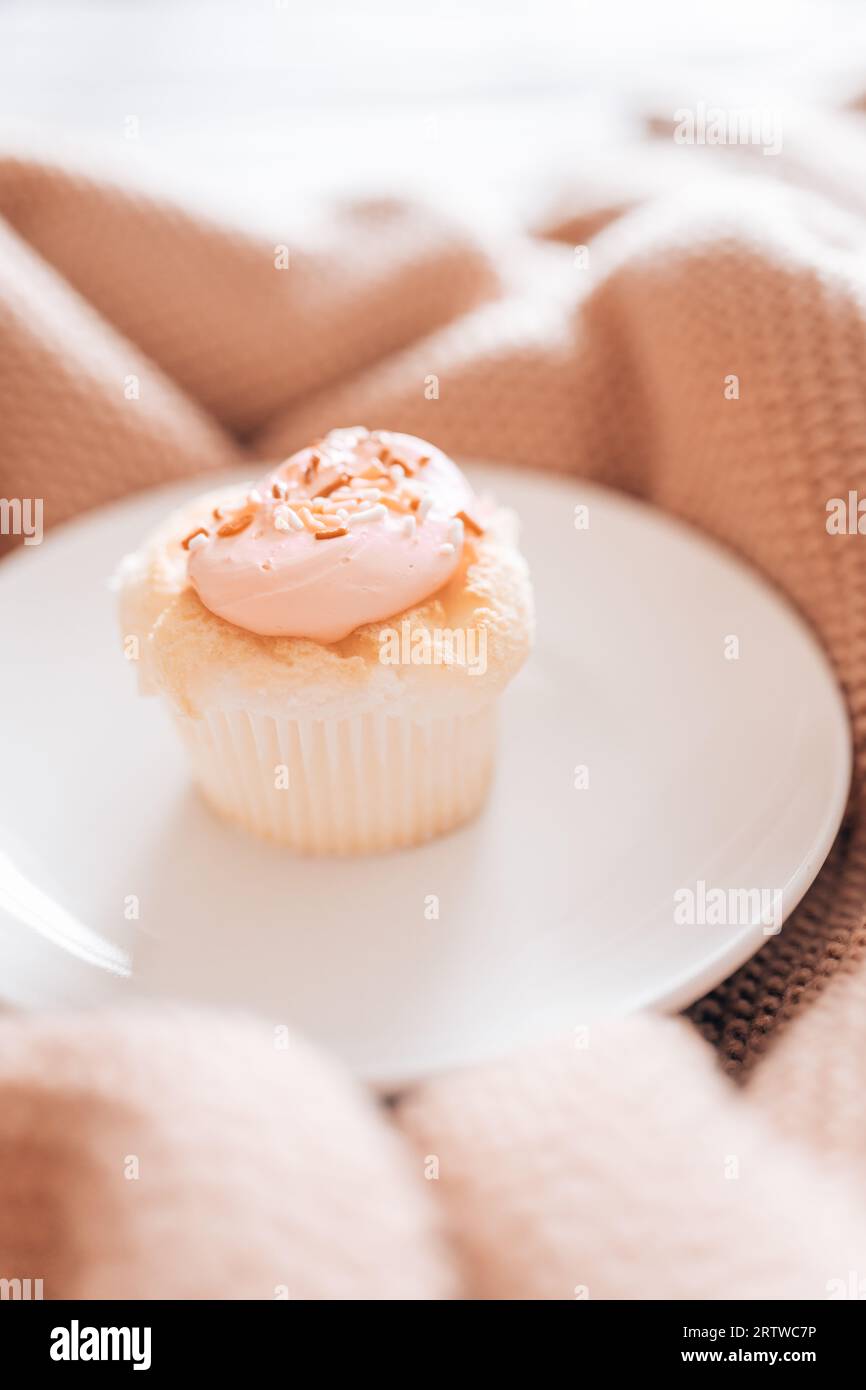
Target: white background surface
484	103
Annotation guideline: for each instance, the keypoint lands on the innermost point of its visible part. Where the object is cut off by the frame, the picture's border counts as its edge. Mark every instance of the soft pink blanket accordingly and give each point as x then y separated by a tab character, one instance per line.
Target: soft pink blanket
178	1154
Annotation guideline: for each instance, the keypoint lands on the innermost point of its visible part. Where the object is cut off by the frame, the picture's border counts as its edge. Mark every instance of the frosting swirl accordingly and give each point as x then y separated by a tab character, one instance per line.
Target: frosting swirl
351	530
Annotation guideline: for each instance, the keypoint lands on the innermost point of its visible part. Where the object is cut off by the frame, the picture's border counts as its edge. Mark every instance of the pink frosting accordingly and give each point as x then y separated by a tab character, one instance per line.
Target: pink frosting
279	581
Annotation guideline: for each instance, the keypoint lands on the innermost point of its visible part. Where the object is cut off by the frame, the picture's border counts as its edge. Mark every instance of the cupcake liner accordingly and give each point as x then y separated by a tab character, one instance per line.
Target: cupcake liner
342	786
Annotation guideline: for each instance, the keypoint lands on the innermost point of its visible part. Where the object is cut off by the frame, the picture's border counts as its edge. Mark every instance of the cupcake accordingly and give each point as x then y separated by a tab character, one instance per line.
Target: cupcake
332	642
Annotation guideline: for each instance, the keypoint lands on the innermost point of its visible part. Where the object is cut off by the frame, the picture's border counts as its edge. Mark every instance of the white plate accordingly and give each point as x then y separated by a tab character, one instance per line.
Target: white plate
556	907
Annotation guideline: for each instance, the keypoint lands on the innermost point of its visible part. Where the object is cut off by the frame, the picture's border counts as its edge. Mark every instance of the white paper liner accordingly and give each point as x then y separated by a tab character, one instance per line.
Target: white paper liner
343	786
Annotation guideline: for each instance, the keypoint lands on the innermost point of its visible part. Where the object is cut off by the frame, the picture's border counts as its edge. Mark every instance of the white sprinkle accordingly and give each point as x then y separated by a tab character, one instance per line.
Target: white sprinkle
407	526
343	515
196	541
455	532
446	549
334	456
293	519
424	507
281	523
254	495
397	473
367	514
367	494
309	520
352	434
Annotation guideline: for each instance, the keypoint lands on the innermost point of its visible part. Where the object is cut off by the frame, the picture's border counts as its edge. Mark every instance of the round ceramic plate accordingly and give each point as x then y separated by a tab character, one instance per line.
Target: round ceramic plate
675	759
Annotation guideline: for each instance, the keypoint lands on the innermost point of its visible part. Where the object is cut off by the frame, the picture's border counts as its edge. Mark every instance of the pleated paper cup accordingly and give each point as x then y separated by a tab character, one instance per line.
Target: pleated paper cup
362	783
